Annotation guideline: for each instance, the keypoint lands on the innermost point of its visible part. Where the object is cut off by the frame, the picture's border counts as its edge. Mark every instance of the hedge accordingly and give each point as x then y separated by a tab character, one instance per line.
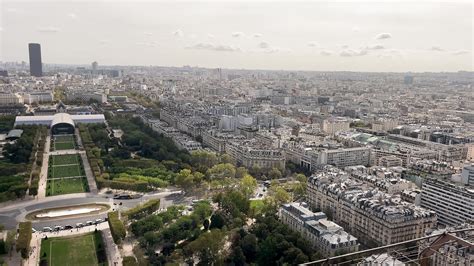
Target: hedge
143	210
24	239
116	227
140	186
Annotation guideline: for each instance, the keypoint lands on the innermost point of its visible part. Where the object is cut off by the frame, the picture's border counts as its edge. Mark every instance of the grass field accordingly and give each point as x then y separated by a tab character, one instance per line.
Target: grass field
83	250
65	159
66	171
66	186
63	142
62	168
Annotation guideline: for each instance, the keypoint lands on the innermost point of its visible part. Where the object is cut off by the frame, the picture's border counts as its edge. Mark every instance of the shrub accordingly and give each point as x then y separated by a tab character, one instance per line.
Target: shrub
116	227
129	261
143	210
24	239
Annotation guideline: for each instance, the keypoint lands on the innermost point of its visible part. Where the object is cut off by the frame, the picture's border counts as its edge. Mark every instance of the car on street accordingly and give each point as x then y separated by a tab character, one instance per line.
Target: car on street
98	221
89	223
58	228
47	229
79	225
68	227
33	230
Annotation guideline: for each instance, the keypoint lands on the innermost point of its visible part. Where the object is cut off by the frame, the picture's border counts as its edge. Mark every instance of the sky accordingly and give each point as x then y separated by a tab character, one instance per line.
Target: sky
376	36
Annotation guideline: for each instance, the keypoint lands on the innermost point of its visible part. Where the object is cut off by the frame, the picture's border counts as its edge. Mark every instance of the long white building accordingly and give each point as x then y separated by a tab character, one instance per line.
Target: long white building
454	203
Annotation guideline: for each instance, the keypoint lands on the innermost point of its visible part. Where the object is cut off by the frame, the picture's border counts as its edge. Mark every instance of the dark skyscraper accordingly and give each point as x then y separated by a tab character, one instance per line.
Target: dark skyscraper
36	67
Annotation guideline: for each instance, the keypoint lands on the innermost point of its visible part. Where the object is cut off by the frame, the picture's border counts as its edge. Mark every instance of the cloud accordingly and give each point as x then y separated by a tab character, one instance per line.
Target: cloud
383	36
211	36
49	29
104	42
149	44
350	53
214	47
178	33
237	34
436	49
263	45
192	36
12	10
148	33
344	46
257	35
355	29
375	47
72	16
460	52
313	44
326	53
1	29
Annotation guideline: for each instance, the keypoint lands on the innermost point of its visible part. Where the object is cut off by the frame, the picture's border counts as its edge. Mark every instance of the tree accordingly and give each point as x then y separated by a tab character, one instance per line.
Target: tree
185	179
281	196
299	188
203	160
248	184
223	170
207	247
240	172
249	247
226	158
217	221
275	173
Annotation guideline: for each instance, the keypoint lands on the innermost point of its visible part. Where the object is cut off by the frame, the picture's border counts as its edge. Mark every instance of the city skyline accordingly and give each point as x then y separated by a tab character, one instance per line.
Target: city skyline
372	37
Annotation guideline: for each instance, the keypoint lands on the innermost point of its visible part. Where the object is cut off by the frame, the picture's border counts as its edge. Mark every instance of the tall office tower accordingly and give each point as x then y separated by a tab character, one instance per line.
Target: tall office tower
36	67
94	66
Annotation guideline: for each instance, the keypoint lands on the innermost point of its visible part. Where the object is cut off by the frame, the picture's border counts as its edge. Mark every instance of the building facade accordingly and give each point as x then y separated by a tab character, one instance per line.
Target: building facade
36	66
327	237
374	217
454	203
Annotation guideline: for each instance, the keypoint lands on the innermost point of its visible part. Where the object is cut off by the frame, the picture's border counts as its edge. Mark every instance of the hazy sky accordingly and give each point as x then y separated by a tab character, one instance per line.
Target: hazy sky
318	35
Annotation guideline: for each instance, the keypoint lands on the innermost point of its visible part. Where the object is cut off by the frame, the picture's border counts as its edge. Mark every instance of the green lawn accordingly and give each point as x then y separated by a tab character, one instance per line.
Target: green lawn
64	138
83	250
257	205
66	186
66	171
64	146
65	159
64	142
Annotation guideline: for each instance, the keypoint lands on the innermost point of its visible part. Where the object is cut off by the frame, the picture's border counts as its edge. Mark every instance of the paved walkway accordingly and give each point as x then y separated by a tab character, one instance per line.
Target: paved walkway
44	169
87	168
113	253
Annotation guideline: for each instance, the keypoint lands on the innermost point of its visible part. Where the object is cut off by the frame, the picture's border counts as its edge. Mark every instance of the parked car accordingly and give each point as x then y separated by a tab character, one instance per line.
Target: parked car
79	225
98	221
58	228
68	227
89	223
47	229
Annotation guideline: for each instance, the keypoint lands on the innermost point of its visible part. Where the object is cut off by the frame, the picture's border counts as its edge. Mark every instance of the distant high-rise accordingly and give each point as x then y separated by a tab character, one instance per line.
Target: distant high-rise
36	66
94	66
408	80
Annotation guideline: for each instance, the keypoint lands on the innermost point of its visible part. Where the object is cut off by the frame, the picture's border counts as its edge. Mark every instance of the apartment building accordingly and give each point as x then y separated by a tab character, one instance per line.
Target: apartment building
327	237
374	217
454	203
345	157
10	99
333	125
249	154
